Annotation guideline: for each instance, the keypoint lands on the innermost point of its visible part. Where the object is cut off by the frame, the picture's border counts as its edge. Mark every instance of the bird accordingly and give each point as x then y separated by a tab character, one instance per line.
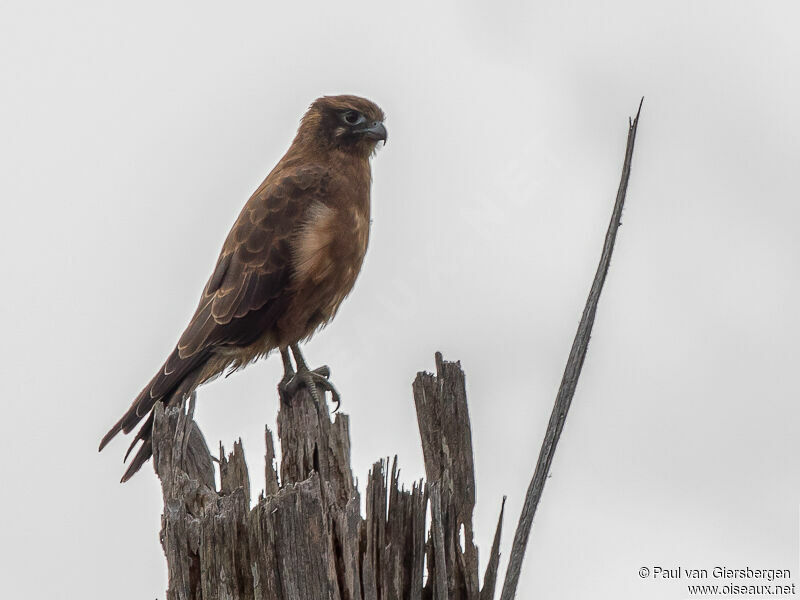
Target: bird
290	259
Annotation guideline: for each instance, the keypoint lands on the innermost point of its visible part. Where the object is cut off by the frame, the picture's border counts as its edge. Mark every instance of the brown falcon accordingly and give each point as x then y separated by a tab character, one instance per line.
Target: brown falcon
290	259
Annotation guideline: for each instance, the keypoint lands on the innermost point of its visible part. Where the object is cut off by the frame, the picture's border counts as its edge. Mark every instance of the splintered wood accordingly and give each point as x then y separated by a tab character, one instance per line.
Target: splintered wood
305	538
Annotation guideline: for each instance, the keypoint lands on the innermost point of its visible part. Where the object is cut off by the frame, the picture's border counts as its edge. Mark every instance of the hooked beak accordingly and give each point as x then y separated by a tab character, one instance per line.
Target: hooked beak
374	131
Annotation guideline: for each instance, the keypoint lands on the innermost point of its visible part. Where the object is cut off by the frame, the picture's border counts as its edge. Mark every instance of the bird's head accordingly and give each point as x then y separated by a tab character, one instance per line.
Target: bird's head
345	123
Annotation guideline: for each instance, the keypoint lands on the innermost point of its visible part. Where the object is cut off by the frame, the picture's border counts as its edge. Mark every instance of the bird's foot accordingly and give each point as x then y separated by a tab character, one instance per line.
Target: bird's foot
312	379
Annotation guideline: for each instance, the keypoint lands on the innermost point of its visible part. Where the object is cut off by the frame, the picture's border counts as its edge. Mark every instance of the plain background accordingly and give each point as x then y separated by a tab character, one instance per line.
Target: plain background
133	133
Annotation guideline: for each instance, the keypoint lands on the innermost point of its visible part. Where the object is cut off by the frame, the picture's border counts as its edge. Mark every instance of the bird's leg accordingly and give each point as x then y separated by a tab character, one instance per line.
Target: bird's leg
288	374
323	371
311	378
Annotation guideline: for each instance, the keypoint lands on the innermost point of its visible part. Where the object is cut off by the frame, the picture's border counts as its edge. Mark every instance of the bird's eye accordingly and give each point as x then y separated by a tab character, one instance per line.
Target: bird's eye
352	117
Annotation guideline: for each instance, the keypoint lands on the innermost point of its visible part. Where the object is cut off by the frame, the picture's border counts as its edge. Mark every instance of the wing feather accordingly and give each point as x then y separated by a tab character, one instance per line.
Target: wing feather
244	296
254	267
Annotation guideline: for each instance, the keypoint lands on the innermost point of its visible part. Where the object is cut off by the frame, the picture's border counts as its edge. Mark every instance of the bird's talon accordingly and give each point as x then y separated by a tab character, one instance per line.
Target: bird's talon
311	379
286	388
324	370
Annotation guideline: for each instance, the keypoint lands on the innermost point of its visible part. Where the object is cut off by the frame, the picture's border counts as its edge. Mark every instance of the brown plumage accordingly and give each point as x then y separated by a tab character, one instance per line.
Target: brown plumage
290	259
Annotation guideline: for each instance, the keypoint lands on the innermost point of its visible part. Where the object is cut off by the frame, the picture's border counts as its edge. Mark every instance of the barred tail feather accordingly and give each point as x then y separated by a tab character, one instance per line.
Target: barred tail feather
177	378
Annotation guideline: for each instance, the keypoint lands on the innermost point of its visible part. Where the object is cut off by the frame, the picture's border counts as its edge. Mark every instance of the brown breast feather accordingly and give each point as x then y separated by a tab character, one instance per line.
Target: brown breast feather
327	254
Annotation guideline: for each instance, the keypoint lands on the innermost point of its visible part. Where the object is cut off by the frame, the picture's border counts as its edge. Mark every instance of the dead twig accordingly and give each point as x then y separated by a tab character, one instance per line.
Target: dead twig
569	381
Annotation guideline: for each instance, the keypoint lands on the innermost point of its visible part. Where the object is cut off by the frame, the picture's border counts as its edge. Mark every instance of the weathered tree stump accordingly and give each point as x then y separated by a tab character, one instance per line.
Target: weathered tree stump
305	538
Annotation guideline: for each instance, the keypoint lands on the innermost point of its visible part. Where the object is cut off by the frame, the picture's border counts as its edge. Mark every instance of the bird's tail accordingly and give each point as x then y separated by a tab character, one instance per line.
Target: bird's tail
176	379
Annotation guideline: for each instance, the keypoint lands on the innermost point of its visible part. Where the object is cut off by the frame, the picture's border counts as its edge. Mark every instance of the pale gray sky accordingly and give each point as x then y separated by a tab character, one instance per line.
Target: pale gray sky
132	134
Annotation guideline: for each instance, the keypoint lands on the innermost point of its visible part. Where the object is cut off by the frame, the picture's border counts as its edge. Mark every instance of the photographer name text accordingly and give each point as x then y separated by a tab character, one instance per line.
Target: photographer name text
680	572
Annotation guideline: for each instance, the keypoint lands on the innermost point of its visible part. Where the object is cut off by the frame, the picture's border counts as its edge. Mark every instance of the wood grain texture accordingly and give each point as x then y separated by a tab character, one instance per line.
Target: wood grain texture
443	419
305	537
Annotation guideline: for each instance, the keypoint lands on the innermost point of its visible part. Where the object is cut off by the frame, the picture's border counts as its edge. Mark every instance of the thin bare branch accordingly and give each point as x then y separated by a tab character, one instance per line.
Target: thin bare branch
569	381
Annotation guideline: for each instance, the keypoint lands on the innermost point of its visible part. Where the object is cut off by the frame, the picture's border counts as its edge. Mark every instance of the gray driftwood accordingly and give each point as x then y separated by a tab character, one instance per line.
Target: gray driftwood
305	537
